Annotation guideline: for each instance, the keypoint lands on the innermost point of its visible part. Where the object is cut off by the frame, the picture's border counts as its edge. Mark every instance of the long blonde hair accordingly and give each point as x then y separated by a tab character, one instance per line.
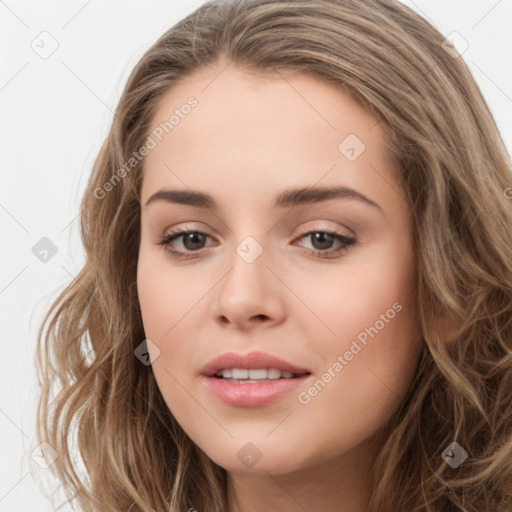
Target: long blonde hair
455	171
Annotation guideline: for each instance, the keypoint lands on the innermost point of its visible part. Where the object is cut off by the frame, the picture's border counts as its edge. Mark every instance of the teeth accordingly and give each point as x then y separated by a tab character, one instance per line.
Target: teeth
273	373
257	374
238	373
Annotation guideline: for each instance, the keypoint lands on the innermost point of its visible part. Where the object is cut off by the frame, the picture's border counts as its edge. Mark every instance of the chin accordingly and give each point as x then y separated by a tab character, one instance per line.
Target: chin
260	458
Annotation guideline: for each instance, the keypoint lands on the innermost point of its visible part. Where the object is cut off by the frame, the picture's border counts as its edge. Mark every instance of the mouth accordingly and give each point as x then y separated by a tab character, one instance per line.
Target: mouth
253	365
256	375
251	379
240	387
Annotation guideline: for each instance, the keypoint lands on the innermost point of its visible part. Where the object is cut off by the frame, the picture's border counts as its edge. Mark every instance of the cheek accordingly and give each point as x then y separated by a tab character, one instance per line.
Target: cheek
368	337
174	308
159	306
165	294
374	347
369	296
156	303
367	374
165	305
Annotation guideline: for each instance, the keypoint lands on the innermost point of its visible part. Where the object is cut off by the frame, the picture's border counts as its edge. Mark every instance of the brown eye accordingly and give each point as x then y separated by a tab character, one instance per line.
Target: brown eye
191	241
322	242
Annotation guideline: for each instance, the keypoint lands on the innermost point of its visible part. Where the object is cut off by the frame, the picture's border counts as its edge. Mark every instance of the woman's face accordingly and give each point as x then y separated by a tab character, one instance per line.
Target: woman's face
262	272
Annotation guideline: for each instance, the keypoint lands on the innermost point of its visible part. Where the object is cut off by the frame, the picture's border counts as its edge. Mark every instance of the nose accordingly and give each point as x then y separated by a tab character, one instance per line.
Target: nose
249	295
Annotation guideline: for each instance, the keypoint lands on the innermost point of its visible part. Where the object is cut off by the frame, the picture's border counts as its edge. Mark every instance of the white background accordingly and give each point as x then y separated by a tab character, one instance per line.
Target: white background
55	113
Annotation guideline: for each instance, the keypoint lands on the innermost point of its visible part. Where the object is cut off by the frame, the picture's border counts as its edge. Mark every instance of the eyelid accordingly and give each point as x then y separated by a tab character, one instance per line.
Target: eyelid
303	230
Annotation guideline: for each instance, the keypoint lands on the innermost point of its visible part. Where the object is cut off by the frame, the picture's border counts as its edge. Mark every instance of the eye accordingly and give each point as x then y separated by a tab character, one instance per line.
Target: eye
322	240
191	240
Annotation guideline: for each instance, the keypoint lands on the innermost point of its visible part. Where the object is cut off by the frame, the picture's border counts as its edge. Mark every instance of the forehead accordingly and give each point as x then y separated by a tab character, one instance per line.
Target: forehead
261	129
227	89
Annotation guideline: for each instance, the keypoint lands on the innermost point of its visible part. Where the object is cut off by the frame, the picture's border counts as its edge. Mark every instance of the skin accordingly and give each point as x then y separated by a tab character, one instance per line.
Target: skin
250	137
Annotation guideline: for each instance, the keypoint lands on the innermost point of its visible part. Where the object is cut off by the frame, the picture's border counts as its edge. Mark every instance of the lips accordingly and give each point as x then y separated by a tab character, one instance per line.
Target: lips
250	361
282	378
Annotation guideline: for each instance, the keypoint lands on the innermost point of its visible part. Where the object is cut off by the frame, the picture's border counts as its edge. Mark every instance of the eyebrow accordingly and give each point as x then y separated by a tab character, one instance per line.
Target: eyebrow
287	198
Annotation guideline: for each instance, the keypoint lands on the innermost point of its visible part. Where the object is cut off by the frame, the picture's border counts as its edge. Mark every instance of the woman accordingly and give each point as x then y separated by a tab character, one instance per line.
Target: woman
298	286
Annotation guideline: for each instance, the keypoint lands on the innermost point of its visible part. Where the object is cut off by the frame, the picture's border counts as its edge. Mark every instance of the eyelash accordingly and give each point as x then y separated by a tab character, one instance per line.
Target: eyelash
347	242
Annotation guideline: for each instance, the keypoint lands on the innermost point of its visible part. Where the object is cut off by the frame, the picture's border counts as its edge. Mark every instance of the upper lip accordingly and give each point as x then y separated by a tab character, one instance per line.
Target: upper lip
249	361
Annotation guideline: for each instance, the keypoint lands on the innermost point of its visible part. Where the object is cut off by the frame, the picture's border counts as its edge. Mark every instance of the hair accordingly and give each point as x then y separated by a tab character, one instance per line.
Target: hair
454	169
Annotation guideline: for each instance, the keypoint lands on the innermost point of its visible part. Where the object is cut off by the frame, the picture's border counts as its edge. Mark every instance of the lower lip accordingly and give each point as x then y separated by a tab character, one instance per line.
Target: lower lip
253	394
